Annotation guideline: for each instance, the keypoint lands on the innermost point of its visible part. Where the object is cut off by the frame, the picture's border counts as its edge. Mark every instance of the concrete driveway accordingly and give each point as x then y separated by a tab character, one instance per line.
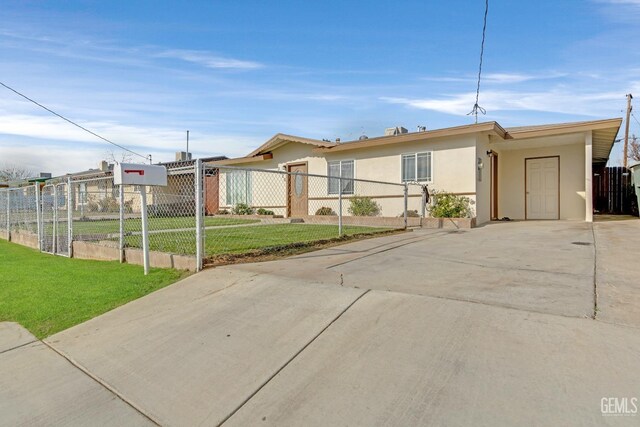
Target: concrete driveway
492	326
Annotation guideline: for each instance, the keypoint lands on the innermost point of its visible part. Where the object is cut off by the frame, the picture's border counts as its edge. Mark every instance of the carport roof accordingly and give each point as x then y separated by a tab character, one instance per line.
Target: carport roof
603	136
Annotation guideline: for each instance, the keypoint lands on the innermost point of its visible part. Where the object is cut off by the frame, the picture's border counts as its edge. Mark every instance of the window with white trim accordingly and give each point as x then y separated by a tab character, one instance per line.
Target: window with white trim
417	167
344	169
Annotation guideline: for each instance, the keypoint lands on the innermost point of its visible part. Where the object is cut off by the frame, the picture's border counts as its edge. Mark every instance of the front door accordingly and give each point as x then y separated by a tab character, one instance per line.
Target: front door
297	190
543	188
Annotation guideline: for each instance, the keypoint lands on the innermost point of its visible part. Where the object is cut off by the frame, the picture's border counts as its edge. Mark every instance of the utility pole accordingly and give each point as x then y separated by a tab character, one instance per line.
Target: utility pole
187	144
626	130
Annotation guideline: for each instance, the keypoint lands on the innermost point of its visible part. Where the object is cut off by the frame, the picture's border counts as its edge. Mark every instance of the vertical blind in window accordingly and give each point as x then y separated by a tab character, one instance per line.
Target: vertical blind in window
238	187
416	167
345	169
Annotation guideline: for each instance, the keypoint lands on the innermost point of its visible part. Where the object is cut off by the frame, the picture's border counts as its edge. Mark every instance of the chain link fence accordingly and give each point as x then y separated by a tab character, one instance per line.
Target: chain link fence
205	213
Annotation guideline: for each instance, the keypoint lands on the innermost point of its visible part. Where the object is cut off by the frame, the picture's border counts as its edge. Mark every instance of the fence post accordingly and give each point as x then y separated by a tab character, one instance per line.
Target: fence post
406	204
121	218
198	178
340	206
39	215
8	215
69	218
55	218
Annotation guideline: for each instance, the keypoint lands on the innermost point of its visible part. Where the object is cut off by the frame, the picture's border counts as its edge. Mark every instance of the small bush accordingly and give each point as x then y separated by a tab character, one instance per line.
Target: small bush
263	211
325	211
411	214
242	209
222	212
450	206
363	206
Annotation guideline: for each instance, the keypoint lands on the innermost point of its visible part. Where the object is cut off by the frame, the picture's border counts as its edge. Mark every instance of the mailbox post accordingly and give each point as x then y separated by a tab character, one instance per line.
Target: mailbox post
142	176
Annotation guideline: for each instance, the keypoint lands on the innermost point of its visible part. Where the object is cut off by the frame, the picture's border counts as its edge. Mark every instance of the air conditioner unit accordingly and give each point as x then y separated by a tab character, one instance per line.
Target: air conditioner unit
182	156
395	131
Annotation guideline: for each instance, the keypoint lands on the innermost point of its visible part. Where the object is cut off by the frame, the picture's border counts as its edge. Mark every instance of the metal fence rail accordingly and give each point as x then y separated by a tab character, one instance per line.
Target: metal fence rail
205	212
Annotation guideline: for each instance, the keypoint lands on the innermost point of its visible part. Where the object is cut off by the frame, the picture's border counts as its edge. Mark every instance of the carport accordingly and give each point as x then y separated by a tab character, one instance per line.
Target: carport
545	172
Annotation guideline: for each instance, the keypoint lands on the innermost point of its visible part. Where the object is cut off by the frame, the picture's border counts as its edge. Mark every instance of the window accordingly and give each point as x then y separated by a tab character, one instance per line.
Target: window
238	187
417	167
344	169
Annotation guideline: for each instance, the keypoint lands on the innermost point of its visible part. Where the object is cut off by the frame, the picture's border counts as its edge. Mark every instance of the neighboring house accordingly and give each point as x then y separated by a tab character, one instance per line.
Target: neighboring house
178	196
532	172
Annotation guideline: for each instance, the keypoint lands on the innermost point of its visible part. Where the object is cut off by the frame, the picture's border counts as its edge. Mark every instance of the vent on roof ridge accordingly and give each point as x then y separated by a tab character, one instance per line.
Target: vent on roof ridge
398	130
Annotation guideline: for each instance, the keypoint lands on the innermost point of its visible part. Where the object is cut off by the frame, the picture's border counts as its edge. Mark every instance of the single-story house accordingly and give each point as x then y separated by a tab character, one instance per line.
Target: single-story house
530	172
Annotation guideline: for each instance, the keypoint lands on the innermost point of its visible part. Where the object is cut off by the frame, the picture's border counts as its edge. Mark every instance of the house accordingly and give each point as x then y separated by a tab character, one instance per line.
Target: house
530	172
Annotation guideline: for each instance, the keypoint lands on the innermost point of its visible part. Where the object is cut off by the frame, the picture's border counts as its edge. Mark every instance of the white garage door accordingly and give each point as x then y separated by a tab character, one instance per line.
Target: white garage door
543	188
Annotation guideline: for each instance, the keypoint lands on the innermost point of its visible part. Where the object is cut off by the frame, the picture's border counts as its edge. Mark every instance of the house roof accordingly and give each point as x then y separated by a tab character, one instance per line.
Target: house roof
184	163
604	132
264	151
282	139
491	127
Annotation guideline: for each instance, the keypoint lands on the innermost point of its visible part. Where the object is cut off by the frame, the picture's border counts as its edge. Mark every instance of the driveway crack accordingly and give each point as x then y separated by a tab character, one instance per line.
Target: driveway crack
291	359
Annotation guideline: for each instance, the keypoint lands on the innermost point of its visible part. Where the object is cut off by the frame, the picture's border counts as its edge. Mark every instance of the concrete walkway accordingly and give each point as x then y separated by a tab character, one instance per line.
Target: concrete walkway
487	327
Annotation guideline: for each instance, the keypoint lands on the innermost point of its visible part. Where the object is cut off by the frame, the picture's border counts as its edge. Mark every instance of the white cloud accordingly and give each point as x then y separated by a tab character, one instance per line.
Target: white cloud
554	101
498	78
209	60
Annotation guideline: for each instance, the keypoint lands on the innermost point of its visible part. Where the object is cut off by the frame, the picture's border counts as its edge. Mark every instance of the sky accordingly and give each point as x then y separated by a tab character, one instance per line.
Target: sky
235	73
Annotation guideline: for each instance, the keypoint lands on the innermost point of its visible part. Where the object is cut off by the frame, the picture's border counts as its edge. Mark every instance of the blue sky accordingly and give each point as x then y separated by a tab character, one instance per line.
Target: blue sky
236	73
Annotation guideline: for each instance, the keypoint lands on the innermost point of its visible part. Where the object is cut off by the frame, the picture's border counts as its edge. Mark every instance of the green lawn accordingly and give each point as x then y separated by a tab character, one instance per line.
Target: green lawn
48	293
109	226
234	240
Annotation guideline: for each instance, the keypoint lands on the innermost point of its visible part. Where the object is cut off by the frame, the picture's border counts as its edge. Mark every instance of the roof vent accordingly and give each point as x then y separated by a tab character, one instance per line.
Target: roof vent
398	130
363	137
182	156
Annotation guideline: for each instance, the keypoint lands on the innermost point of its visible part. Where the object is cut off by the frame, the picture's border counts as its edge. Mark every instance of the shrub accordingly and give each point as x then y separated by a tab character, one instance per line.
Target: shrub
108	204
325	211
363	206
263	211
450	206
222	212
242	209
411	214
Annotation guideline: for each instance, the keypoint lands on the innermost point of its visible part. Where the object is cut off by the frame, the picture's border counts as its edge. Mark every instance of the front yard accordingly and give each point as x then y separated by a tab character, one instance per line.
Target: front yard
48	293
235	240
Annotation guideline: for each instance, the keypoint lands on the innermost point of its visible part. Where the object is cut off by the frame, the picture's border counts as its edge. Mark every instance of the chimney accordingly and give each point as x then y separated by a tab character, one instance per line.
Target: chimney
103	166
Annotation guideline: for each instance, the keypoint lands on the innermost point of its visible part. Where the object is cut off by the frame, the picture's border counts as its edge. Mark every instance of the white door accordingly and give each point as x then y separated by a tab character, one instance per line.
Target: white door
543	188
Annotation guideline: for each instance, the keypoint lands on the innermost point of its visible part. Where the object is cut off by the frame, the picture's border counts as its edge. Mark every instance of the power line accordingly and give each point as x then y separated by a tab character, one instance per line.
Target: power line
476	107
74	123
635	118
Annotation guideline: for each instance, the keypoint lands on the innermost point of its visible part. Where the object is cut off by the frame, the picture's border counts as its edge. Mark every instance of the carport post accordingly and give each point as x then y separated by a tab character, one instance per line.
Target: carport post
121	218
145	228
340	206
199	212
38	215
406	204
69	218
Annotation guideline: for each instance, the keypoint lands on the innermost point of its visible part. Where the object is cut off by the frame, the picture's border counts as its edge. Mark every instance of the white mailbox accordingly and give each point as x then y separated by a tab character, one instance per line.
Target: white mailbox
138	174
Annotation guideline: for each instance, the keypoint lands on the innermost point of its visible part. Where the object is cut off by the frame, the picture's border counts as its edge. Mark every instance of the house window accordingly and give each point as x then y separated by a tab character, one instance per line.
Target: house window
238	187
344	169
417	167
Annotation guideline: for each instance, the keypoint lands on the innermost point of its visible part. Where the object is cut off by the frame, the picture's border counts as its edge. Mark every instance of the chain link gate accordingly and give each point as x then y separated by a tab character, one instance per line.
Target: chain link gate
56	226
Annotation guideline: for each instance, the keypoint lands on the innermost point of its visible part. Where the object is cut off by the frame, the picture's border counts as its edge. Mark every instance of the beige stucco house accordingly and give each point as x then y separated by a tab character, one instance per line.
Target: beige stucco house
532	172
